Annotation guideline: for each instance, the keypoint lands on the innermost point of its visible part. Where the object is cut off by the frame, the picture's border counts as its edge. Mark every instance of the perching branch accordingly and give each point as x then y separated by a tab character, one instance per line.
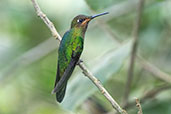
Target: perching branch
133	52
86	72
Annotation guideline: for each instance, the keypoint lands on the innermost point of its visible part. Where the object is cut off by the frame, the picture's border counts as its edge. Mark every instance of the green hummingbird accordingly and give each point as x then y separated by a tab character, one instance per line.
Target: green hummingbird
69	52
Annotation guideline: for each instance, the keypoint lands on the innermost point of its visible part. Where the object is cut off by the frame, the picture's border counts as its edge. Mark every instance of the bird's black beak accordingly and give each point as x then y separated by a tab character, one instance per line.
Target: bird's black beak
94	16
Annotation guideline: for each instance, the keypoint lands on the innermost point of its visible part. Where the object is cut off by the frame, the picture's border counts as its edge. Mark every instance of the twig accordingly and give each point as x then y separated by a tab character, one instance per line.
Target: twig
86	72
138	105
150	94
133	52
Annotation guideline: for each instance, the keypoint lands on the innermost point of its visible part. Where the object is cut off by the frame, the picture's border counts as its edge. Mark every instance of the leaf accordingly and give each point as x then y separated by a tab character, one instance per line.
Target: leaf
80	87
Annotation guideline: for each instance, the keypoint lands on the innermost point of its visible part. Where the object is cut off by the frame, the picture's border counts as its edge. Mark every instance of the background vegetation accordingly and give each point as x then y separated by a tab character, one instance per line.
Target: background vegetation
28	56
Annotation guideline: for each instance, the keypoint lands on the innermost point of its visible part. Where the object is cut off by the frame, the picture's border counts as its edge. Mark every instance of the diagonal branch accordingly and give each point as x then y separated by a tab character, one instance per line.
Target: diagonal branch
86	72
133	53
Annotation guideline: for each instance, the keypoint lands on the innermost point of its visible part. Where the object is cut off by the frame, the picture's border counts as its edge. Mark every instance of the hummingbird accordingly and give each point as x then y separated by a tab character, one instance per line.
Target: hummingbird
69	52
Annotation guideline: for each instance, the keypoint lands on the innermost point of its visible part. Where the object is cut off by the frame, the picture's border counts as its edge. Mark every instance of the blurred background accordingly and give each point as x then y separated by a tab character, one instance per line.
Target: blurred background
28	57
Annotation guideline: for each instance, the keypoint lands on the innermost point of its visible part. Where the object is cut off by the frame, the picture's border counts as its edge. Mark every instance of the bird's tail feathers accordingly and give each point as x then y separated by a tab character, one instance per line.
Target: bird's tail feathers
61	93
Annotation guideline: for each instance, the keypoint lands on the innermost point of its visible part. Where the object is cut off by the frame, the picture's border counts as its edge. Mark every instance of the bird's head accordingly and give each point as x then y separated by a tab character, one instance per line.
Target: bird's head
81	21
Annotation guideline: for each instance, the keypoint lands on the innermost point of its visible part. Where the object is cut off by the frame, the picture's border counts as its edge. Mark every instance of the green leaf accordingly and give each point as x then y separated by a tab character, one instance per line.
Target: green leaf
80	87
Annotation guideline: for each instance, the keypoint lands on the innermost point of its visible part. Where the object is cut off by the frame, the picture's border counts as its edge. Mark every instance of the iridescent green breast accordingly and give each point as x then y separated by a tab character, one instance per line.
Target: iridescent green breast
71	45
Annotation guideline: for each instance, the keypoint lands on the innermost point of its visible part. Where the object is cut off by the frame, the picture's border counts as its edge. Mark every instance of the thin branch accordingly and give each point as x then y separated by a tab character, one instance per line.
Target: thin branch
133	52
86	72
138	105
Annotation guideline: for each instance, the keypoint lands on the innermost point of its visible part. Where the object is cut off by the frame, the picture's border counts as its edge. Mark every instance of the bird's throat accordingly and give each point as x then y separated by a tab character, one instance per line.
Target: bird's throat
79	31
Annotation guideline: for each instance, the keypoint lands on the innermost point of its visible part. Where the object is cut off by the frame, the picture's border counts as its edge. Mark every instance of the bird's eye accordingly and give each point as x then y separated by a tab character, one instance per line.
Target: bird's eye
80	20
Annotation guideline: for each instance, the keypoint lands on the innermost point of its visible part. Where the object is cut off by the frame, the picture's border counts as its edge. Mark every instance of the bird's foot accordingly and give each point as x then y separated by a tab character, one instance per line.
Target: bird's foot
79	61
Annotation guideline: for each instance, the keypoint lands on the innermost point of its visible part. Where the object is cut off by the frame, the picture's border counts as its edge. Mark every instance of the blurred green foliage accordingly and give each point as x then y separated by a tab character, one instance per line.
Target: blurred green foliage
28	56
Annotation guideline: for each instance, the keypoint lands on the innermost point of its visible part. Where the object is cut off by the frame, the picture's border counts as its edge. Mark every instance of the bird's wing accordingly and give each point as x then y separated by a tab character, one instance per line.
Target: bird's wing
68	57
68	71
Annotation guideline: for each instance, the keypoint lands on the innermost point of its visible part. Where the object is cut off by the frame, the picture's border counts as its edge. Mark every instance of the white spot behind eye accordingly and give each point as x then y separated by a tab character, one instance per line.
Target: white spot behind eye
78	20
